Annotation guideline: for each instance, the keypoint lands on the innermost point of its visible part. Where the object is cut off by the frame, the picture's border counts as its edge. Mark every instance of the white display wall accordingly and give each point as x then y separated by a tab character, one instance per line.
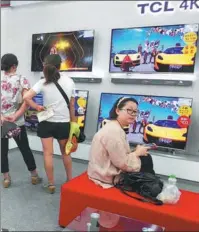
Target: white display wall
19	23
164	165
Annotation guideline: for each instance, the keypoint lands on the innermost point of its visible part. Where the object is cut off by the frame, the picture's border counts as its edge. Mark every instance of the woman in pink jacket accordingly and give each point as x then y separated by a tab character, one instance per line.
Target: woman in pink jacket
110	153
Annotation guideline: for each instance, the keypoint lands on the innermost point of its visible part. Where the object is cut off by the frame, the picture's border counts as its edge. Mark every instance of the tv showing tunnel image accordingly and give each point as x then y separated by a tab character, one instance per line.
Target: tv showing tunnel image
81	102
75	49
154	49
160	120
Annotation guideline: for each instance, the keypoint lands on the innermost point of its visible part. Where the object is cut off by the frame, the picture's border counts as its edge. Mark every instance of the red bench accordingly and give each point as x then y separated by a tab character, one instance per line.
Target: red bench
82	192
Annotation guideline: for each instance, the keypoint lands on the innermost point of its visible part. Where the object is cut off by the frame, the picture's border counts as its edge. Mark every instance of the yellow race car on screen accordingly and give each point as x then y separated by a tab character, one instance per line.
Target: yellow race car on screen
173	59
135	57
166	132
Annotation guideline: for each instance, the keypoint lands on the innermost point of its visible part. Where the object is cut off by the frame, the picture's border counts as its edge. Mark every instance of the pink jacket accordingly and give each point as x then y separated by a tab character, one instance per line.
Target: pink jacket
110	154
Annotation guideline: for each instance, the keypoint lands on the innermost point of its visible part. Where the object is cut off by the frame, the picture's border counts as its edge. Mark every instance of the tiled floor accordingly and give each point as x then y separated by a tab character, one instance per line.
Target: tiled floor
28	208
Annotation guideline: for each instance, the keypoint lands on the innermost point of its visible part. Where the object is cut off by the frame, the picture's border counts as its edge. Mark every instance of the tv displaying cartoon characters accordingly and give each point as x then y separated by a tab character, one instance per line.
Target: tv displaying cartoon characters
161	120
75	49
154	49
81	102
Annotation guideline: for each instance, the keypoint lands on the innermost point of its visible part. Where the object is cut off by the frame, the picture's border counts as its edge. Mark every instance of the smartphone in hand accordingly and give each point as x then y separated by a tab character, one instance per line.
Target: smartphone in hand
152	146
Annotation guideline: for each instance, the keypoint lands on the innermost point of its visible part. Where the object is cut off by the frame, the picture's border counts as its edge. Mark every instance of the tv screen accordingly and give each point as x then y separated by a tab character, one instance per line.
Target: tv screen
75	49
81	101
154	49
31	121
161	120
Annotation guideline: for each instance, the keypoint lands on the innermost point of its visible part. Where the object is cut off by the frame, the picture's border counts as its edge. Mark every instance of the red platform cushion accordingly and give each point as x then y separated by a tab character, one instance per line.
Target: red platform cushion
82	192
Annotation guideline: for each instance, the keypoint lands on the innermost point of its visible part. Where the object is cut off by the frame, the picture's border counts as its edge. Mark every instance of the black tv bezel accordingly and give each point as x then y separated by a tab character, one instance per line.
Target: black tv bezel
142	95
86	107
65	32
112	72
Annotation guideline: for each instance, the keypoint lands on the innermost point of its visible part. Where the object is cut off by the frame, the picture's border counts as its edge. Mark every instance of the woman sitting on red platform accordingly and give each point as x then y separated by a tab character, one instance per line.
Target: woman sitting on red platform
110	153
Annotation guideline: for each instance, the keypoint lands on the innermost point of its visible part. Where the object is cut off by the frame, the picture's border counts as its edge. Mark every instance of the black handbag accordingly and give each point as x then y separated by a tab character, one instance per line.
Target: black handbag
82	136
146	185
10	130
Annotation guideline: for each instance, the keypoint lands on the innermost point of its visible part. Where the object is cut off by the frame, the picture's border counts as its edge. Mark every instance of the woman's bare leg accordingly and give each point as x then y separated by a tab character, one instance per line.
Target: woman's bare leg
66	159
47	144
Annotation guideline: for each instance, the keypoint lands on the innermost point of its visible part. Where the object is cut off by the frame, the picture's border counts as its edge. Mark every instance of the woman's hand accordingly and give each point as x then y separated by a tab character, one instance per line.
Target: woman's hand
40	108
11	118
2	119
141	150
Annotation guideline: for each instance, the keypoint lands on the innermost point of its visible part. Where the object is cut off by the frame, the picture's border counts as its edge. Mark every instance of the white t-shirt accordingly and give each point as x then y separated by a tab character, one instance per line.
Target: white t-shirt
52	97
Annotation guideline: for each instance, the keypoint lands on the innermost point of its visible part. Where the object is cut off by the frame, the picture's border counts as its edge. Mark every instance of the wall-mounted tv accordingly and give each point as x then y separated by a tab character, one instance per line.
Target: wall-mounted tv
81	102
161	120
154	49
75	49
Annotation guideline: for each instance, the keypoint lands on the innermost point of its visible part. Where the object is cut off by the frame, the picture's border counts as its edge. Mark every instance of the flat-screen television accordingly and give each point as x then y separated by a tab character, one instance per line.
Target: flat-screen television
161	120
154	49
31	121
75	49
81	102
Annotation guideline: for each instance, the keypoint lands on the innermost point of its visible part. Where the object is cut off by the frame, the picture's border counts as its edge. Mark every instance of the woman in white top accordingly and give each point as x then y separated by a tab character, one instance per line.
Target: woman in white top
57	126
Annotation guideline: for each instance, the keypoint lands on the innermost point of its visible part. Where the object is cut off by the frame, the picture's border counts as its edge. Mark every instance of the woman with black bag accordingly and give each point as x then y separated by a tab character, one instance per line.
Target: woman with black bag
13	86
110	153
56	124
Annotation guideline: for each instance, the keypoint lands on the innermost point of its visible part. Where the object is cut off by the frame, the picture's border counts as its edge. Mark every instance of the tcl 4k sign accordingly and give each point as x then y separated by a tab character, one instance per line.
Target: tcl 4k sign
154	7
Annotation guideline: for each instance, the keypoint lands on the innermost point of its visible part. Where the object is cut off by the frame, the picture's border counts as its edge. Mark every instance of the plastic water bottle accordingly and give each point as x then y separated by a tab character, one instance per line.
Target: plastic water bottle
172	189
170	193
172	180
94	222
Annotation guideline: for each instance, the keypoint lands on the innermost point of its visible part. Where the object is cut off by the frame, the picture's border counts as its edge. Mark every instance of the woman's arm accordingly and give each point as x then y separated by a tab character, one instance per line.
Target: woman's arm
116	148
73	118
120	155
17	114
2	119
28	95
28	99
20	111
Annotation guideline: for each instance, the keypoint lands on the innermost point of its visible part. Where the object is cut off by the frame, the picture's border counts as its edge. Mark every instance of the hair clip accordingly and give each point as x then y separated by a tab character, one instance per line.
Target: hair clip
120	101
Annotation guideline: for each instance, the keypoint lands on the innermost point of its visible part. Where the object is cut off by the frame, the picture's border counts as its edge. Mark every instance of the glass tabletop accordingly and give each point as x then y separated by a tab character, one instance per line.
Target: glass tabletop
106	221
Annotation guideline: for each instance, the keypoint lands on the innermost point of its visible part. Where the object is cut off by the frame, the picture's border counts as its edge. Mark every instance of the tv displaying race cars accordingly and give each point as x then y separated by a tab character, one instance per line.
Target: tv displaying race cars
81	101
154	49
75	49
161	120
